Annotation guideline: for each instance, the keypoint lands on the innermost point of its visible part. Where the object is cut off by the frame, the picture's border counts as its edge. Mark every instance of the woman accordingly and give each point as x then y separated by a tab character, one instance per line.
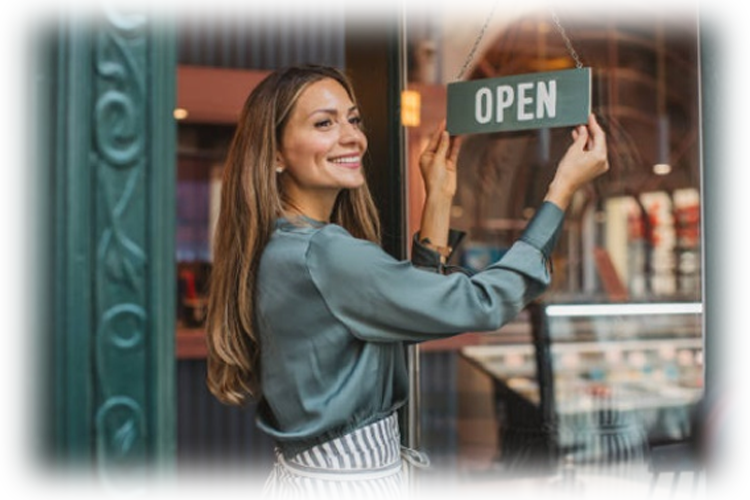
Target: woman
308	314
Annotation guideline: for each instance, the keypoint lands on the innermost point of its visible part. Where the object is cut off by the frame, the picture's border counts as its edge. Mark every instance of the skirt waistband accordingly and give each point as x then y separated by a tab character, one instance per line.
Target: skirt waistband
367	463
373	447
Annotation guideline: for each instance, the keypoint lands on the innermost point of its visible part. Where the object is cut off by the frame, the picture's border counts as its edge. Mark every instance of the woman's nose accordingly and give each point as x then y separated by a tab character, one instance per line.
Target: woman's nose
351	132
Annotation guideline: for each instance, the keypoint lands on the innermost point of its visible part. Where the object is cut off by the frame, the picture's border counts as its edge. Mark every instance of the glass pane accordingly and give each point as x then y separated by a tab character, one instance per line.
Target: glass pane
563	391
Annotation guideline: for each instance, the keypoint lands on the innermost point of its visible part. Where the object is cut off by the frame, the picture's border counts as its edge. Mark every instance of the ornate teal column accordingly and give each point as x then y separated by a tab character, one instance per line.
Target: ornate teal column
111	166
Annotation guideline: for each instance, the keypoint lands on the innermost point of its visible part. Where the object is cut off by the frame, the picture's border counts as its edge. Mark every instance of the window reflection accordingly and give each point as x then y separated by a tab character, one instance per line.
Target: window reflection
561	388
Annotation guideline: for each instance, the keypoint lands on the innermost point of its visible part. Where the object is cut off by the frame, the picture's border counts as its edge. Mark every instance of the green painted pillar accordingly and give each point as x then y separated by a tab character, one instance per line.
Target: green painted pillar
108	173
725	72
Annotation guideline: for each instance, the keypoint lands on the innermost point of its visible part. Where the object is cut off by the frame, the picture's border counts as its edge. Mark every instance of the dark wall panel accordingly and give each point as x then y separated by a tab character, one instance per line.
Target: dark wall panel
261	34
439	407
221	452
374	64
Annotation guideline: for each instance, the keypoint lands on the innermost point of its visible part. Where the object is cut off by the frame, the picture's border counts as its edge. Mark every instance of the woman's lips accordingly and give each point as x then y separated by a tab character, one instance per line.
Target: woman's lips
351	161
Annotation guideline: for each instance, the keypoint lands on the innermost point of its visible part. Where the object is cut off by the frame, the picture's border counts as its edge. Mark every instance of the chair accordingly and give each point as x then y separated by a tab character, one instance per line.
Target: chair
673	458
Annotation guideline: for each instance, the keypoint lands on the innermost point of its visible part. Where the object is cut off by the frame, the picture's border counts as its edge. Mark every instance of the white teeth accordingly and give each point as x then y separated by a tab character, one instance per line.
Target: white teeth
348	159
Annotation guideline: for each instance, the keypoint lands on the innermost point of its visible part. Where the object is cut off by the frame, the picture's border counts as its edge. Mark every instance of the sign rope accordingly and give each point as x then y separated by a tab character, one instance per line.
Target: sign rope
558	26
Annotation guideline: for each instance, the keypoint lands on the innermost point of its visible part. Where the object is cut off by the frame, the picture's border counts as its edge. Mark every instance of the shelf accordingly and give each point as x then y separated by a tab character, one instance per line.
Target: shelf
487	352
190	343
229	89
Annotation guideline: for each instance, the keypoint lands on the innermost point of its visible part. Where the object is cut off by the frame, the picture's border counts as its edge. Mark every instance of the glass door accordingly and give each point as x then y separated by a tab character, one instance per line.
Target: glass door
631	239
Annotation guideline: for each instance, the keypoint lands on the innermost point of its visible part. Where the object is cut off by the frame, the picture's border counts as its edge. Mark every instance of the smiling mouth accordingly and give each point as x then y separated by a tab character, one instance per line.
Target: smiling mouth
347	161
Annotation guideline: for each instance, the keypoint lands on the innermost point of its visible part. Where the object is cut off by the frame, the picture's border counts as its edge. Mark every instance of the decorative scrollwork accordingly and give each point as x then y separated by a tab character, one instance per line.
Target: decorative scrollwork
122	259
120	428
126	22
119	133
119	157
123	326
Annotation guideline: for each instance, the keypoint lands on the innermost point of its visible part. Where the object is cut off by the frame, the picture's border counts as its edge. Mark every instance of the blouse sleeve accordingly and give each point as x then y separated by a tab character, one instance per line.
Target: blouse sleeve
427	258
381	299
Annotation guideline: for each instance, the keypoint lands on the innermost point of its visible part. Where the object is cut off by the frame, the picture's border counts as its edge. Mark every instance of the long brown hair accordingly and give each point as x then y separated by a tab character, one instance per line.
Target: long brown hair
251	201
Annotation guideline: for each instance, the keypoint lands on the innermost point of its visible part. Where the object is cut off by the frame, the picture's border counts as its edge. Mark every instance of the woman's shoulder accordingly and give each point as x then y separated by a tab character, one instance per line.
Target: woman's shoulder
332	246
324	245
332	236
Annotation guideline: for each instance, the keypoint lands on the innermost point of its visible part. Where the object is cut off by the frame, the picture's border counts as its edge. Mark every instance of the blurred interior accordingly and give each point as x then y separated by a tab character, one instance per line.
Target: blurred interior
589	388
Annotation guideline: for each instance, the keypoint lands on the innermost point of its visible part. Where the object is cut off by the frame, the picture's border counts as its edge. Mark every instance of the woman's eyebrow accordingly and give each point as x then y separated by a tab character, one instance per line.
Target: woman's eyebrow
333	111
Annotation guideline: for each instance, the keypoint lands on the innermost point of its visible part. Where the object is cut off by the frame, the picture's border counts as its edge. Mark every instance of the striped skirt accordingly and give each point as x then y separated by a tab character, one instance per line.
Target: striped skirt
365	463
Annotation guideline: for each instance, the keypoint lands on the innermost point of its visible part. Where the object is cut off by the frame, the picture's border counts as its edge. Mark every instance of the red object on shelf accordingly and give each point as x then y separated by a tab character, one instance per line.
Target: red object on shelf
188	278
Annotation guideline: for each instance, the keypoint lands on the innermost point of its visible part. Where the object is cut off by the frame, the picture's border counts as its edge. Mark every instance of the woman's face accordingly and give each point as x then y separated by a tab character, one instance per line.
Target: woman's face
322	145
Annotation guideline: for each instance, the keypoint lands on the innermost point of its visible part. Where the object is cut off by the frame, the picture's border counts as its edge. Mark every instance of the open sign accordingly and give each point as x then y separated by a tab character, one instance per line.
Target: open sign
519	102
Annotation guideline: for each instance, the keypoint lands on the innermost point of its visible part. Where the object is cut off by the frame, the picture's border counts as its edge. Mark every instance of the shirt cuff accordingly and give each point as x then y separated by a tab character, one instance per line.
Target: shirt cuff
543	230
423	256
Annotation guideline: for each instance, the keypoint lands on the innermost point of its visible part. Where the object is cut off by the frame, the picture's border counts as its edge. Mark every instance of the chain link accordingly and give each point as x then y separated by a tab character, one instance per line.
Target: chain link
473	51
566	39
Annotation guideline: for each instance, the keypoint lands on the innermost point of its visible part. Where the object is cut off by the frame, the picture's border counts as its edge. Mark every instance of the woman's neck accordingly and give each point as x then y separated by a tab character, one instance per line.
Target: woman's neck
318	209
318	214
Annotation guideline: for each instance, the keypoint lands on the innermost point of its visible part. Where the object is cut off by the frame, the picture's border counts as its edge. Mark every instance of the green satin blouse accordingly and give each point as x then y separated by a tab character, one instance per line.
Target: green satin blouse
333	312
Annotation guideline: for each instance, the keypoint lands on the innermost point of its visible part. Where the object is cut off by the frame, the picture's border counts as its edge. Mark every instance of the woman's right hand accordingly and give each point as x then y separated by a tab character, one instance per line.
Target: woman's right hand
585	160
437	164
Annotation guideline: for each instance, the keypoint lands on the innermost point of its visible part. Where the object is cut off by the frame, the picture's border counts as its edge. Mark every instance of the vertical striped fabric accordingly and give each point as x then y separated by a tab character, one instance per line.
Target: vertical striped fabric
365	463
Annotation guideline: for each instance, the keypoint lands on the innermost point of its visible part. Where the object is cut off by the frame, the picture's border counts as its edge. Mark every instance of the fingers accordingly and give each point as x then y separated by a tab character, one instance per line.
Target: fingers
432	145
598	138
455	148
580	136
443	145
442	149
576	132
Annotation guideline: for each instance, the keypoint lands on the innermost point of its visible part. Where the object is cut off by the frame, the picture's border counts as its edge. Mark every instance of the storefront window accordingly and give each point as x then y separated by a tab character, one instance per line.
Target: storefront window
608	365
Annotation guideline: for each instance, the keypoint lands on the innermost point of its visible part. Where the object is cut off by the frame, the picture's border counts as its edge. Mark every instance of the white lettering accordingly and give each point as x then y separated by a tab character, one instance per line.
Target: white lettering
523	101
546	99
528	106
504	100
483	105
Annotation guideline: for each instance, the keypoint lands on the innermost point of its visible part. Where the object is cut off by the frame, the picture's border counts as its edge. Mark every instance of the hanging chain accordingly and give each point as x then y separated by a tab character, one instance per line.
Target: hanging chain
566	39
558	26
470	57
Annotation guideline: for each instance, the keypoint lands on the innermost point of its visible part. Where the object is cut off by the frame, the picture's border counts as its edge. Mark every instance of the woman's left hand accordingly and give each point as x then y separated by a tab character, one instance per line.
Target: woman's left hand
437	164
585	160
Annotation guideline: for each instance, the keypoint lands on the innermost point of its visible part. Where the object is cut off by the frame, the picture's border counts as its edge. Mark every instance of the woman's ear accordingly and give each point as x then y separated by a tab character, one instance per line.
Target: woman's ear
279	164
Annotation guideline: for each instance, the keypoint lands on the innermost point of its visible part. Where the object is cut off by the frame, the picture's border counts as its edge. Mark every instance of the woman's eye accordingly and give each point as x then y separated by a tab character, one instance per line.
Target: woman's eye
356	120
323	123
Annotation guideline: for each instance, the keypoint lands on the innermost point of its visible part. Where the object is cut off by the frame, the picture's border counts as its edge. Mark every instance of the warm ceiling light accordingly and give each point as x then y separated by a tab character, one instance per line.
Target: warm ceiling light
662	169
411	102
180	113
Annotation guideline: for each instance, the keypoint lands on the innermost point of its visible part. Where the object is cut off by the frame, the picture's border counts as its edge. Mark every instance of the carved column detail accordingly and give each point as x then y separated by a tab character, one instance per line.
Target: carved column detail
121	317
113	134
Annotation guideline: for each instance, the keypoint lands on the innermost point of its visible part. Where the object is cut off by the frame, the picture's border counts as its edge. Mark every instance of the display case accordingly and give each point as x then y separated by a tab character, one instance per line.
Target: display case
597	385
